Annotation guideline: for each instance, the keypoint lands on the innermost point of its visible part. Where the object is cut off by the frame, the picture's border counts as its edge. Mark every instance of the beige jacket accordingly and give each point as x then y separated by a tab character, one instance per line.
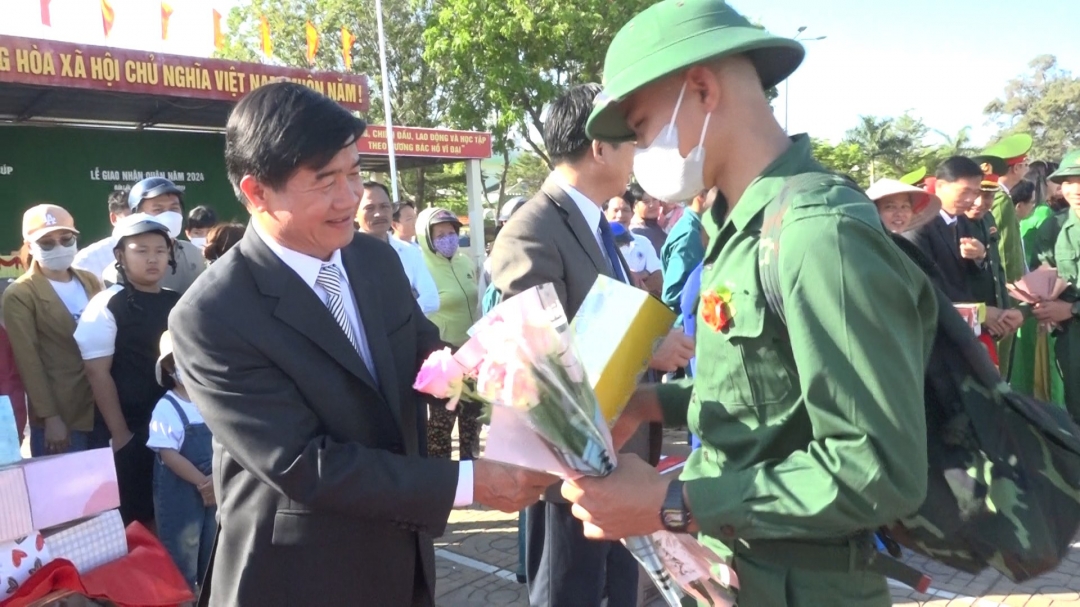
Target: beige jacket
42	334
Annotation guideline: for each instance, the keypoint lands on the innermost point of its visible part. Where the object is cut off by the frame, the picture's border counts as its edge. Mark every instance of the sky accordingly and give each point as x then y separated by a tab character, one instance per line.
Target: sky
942	59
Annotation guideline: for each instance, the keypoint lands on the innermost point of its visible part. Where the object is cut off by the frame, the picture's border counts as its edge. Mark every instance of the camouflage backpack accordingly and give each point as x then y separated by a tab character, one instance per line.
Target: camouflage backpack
1004	469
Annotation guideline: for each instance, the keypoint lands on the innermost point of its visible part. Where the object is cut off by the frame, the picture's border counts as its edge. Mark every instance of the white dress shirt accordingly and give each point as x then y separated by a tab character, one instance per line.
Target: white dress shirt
307	268
949	219
412	259
96	257
588	208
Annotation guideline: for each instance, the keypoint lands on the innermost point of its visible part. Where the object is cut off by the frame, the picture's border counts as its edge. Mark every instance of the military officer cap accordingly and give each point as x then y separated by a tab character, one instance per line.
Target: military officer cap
673	35
1070	167
914	177
989	183
991	165
1012	149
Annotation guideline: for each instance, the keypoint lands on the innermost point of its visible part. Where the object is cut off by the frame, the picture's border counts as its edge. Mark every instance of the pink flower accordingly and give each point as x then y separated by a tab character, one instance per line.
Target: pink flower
490	379
442	377
519	388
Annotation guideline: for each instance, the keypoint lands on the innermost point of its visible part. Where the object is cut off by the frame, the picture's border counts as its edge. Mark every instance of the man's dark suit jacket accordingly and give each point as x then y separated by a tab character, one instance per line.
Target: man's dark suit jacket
322	496
955	274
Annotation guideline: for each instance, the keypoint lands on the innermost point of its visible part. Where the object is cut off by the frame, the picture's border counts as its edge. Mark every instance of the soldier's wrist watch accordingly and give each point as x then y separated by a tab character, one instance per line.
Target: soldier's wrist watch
674	514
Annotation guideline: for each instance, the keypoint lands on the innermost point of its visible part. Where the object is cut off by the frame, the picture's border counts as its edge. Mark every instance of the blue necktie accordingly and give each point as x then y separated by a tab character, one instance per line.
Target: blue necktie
610	250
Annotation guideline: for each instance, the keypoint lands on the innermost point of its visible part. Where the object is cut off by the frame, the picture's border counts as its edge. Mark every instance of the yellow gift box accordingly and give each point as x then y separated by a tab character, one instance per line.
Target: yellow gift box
616	330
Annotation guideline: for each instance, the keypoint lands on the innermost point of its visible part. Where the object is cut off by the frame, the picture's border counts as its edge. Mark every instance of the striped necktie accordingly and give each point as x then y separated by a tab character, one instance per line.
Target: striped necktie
330	280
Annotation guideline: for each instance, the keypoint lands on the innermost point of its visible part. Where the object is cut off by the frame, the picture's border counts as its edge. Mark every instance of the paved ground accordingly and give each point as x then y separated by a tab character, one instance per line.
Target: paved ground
477	560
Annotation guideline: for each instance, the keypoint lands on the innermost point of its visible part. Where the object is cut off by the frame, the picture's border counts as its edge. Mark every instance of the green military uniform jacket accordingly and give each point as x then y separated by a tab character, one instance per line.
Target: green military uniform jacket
1047	235
1012	247
1067	348
681	253
814	430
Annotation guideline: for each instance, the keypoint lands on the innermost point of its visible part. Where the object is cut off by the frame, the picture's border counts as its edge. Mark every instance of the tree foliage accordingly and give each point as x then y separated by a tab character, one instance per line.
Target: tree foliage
1044	102
884	143
526	174
500	62
414	85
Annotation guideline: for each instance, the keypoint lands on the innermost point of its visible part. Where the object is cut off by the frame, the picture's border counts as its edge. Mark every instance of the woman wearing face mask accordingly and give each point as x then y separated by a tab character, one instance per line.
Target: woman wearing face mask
41	310
437	232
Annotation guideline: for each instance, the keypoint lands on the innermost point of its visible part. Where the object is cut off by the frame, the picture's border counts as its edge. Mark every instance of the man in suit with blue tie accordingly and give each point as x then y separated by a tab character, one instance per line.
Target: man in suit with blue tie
300	347
561	236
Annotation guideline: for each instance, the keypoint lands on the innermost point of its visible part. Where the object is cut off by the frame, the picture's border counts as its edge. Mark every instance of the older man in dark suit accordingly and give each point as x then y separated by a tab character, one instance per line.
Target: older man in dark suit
300	347
561	236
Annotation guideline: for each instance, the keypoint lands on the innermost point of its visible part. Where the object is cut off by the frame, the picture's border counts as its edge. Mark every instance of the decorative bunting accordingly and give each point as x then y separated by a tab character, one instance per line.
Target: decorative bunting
166	12
46	18
347	41
219	38
312	36
267	44
107	16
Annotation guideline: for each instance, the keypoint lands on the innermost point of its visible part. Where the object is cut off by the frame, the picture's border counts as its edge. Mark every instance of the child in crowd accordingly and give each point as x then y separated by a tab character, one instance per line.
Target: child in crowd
184	502
118	336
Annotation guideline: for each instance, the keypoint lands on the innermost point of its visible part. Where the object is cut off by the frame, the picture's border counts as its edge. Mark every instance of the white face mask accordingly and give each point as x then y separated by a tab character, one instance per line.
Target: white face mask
663	172
57	259
178	377
199	241
172	220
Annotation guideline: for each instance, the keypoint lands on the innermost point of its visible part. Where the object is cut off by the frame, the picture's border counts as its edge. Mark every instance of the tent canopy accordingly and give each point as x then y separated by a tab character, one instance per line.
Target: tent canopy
51	82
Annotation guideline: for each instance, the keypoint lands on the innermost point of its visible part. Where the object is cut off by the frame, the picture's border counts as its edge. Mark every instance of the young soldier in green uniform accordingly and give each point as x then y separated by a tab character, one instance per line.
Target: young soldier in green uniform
1066	310
812	430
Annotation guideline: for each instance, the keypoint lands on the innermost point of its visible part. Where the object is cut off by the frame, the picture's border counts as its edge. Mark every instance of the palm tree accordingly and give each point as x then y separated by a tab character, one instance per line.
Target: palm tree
878	140
959	145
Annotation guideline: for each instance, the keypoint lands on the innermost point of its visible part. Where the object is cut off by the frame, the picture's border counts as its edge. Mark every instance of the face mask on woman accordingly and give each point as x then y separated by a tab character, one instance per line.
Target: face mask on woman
57	258
446	245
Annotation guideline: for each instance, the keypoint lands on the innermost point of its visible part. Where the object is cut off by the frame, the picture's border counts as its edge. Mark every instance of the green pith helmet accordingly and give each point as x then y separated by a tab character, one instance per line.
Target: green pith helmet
1070	167
673	35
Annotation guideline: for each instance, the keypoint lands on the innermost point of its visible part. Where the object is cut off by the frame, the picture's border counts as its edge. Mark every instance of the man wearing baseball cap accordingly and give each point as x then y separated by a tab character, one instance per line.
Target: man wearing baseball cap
813	426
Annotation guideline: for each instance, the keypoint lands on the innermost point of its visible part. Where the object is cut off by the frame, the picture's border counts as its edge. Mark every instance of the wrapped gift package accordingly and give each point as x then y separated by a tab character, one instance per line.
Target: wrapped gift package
9	433
19	559
89	543
616	330
45	492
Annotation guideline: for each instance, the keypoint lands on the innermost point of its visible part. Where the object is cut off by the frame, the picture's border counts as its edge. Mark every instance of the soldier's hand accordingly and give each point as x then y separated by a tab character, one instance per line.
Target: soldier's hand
507	488
1053	311
971	248
674	352
625	503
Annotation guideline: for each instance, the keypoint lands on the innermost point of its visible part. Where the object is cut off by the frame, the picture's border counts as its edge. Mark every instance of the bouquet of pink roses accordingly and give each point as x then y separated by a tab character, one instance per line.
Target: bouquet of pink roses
521	362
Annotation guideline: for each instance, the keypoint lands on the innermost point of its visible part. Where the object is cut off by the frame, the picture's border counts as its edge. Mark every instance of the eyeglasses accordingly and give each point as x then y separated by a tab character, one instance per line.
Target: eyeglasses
48	244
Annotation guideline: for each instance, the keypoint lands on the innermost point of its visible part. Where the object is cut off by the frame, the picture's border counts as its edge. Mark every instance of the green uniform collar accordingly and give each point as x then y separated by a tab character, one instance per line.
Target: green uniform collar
796	159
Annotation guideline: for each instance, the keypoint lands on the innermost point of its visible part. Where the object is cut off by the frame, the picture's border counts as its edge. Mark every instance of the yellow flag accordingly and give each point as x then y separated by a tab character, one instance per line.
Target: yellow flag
267	44
312	35
347	41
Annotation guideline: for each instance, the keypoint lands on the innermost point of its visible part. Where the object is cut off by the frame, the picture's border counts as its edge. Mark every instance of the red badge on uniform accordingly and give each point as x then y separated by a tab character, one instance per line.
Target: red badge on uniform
716	309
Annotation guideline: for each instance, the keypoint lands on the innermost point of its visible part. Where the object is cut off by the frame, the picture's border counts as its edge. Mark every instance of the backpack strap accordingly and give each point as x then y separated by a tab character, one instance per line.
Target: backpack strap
179	410
772	225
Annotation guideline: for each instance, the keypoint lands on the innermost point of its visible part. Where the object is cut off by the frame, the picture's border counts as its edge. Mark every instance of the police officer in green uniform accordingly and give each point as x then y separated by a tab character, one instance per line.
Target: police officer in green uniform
1066	310
812	430
1011	152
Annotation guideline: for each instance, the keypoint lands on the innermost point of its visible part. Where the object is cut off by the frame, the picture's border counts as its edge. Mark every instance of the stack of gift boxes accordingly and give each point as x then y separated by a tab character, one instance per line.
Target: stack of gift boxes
57	507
